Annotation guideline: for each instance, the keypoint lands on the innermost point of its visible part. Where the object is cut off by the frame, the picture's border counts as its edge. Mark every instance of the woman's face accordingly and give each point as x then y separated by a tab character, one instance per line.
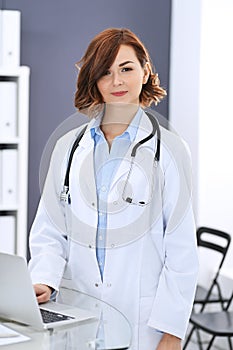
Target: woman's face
123	81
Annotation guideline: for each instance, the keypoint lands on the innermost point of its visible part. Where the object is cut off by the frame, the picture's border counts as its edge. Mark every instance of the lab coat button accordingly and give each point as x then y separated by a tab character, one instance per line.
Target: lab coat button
112	245
115	202
109	285
96	285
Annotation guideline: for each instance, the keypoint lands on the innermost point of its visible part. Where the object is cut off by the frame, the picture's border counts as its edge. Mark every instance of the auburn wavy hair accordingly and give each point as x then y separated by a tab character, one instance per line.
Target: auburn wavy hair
99	57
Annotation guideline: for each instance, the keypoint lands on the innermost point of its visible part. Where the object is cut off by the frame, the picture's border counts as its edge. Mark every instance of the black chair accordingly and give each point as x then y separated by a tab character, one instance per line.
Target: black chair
206	238
219	242
216	324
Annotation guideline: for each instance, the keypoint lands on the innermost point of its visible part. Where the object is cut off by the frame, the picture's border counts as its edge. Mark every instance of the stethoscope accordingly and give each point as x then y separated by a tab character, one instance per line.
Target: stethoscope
65	195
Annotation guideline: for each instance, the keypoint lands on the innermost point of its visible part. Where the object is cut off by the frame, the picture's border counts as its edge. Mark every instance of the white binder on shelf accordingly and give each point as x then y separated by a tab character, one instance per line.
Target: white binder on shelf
9	38
8	109
9	177
7	234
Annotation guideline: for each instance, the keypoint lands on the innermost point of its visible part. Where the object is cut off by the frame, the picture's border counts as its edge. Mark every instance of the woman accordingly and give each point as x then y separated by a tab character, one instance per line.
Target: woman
124	232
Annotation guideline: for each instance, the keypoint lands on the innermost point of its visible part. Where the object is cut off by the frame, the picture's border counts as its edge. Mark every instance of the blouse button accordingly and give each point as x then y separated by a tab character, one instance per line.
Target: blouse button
103	188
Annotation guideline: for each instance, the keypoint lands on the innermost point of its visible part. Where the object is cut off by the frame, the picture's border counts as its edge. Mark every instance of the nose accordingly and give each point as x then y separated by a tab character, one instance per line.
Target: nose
116	79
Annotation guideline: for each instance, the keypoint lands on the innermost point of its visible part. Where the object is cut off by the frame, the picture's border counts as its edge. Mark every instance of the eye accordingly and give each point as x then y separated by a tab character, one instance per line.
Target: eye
126	69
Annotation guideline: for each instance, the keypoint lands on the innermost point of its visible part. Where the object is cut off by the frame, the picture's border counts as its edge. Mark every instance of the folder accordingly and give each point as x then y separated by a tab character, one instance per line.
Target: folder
9	38
9	177
7	234
8	109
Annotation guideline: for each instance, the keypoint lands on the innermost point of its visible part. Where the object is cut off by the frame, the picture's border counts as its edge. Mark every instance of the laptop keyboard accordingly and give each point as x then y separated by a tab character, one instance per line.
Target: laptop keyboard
50	316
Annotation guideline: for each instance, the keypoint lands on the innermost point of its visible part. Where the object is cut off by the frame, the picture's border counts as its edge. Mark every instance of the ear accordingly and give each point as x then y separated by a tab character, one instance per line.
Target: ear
146	75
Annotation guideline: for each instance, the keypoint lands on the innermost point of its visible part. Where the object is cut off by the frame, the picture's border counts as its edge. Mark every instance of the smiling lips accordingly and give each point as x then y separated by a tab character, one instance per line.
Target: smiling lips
119	93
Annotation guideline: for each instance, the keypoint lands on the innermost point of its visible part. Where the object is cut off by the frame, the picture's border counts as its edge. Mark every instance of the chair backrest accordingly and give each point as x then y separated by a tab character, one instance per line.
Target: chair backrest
217	241
208	241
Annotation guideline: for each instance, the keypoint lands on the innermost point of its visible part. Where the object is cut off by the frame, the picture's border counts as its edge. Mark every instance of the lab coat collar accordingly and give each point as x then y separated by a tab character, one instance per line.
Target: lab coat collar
131	129
143	129
87	144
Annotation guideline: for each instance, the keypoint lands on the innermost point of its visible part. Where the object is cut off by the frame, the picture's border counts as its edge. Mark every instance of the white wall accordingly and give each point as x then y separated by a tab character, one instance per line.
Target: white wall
201	94
216	118
184	75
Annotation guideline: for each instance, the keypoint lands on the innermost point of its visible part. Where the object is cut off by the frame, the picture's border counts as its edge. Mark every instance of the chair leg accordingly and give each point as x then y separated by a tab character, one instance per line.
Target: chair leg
199	339
230	344
188	338
210	343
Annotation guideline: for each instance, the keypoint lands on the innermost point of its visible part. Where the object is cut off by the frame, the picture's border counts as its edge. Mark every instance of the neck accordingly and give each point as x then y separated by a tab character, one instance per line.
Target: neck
117	118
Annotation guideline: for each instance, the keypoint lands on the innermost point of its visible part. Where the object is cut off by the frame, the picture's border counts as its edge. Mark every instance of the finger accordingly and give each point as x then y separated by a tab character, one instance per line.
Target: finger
41	288
43	298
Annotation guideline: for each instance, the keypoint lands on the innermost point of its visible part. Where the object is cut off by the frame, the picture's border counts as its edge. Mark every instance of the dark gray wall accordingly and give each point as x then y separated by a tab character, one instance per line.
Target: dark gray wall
54	36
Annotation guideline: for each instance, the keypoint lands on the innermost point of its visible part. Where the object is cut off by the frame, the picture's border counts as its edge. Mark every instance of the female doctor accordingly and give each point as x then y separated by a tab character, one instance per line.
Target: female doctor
121	226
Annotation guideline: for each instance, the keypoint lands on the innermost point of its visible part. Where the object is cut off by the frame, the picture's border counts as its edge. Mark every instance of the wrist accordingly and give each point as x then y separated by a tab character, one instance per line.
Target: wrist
51	288
171	337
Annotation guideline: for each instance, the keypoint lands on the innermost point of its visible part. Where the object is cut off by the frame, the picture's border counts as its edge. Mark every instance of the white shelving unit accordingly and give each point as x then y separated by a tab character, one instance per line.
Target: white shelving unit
18	208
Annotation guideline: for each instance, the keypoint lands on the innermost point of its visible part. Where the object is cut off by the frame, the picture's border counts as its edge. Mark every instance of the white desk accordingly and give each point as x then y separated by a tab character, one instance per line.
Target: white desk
115	334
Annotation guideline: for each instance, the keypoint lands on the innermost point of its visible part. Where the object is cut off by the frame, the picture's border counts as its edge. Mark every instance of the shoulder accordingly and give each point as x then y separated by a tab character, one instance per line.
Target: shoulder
58	152
171	138
174	147
67	139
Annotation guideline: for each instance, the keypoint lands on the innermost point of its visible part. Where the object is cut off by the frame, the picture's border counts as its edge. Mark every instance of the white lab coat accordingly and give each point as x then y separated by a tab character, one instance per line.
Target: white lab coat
151	258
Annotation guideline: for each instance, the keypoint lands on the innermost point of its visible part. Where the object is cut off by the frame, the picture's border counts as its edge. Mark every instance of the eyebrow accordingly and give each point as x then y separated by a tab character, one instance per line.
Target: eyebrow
124	63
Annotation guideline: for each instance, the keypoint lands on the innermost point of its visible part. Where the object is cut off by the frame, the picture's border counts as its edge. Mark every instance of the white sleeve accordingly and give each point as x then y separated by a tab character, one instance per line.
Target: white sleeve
48	248
176	288
48	241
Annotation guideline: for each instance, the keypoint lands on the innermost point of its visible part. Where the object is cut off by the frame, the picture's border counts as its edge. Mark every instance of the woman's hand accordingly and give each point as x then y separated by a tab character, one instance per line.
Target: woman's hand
43	292
169	342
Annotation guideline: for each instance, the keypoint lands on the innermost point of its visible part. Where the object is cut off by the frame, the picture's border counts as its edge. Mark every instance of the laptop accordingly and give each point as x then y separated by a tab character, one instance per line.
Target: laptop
18	300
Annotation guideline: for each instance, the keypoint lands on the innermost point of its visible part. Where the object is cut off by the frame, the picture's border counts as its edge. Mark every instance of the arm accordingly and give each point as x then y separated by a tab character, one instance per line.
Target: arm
42	292
169	342
176	288
47	241
48	248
